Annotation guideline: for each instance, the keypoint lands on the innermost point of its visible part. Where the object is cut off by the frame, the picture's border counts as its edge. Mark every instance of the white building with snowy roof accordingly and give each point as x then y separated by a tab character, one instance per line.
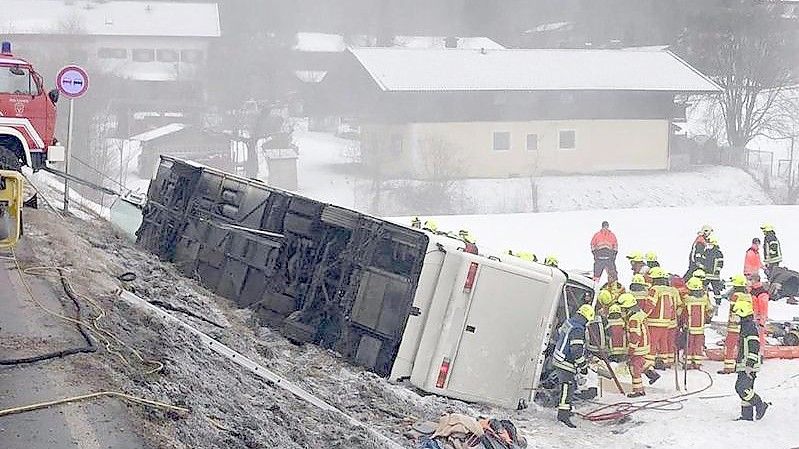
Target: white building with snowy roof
514	112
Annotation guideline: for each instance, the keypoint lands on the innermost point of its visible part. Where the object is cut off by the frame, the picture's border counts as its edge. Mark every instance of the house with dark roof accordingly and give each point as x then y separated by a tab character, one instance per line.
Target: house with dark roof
513	112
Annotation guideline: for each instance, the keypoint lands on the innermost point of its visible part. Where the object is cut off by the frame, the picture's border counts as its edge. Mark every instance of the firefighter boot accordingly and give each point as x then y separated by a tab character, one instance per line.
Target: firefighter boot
636	394
652	376
747	412
760	407
564	416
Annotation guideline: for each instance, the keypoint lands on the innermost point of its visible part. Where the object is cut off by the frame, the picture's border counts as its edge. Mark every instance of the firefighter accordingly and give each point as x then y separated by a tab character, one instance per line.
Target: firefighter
551	261
605	247
772	253
714	262
569	359
469	241
748	364
663	302
416	223
524	255
752	262
652	260
640	289
615	288
637	344
430	225
695	259
617	338
760	299
734	323
637	264
604	300
696	313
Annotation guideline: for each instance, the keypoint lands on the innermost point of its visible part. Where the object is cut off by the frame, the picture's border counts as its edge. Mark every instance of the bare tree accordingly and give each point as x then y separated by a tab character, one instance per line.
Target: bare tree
747	48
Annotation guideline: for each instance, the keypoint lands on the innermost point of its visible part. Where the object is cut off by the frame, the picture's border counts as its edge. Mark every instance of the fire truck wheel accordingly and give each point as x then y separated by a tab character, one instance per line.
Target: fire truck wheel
9	160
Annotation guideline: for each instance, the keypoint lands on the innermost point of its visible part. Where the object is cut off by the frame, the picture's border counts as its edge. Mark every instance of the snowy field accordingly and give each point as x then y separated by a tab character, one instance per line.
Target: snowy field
327	173
706	420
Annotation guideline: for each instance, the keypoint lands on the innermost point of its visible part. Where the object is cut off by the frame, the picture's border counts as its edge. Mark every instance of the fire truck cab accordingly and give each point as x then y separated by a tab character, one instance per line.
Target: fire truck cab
27	115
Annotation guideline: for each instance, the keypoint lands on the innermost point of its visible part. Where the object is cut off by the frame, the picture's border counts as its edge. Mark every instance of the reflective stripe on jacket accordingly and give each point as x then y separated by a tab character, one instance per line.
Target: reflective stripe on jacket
772	253
664	301
570	345
748	347
637	334
733	320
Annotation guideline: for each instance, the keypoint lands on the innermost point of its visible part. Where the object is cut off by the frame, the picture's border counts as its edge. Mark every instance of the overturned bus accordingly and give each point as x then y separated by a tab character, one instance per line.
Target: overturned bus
401	302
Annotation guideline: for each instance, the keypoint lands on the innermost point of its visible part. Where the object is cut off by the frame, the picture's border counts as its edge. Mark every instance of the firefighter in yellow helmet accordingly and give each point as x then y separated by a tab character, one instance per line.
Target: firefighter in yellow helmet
430	225
637	264
696	312
524	255
714	262
469	241
640	289
551	261
637	344
663	302
748	363
569	359
772	251
697	257
652	259
739	293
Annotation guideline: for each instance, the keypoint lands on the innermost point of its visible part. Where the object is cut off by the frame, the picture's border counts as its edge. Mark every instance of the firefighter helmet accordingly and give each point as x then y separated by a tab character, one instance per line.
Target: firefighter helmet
605	297
713	240
651	256
695	284
430	225
699	273
526	255
658	273
551	260
614	308
742	308
627	300
466	236
635	256
638	278
738	280
706	230
766	227
587	311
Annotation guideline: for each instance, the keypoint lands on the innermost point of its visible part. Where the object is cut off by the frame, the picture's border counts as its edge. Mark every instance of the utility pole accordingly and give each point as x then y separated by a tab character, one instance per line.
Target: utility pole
68	153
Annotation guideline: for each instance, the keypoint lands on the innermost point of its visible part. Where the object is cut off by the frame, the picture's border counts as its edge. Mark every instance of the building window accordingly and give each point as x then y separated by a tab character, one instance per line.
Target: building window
143	55
163	55
567	139
191	56
112	53
501	141
532	142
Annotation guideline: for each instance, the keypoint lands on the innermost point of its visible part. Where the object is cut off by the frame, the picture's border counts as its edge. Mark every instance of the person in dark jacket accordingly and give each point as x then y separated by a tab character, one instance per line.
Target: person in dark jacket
748	364
696	258
714	262
772	252
569	359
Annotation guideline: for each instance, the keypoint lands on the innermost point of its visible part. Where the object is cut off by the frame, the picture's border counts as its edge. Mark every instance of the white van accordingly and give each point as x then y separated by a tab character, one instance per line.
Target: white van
482	325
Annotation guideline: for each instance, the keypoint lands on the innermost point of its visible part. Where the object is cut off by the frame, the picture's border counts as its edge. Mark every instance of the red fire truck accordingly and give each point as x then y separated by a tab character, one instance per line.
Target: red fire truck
27	115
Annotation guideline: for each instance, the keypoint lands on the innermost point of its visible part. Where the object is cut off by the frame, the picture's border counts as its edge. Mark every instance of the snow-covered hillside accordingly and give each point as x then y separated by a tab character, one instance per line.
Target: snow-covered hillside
327	173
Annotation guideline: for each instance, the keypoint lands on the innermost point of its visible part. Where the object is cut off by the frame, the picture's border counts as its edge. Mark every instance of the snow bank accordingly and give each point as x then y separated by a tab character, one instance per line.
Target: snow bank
328	172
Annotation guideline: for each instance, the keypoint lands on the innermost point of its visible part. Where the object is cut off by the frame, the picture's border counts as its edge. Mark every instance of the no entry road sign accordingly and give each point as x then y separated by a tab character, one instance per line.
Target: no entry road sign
73	81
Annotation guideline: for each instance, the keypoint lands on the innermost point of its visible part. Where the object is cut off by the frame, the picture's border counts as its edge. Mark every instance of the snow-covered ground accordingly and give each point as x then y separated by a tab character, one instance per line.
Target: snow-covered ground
327	173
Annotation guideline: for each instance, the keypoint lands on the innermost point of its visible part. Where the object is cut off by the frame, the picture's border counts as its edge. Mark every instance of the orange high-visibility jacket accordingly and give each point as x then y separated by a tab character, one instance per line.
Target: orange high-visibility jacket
637	334
695	312
604	239
752	262
664	301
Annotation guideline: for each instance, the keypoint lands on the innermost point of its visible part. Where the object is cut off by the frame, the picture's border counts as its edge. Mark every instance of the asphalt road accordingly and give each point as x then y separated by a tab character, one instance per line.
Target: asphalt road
27	330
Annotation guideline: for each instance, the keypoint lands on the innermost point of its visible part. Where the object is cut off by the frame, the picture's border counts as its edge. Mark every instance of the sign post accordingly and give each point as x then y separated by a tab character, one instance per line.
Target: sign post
72	81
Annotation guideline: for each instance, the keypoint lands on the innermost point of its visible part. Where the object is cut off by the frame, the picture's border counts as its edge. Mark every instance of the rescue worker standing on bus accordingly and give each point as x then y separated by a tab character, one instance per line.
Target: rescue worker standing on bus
569	359
662	319
748	364
714	262
697	311
772	252
734	323
637	344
